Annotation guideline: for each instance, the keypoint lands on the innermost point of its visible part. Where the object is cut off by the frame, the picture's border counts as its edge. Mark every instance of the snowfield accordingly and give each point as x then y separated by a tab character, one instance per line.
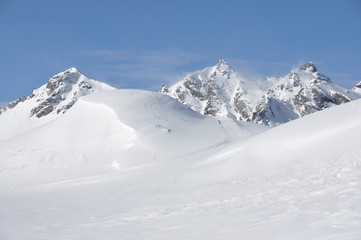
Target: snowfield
133	164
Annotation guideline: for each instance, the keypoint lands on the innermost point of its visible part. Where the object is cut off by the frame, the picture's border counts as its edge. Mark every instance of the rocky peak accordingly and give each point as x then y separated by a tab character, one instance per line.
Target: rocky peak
220	91
309	67
222	65
208	91
59	94
63	80
223	68
308	72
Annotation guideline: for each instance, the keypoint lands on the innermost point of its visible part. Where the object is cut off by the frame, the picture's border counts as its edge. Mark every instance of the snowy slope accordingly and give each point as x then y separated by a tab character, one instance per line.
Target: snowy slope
113	130
221	91
323	136
133	164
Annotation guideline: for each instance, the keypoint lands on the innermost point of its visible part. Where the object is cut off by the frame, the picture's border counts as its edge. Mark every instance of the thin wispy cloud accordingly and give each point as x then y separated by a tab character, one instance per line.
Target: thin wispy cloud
142	69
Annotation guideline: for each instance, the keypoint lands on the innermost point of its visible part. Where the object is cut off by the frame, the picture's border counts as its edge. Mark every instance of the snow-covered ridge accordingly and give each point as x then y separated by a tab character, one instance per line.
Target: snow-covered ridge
221	91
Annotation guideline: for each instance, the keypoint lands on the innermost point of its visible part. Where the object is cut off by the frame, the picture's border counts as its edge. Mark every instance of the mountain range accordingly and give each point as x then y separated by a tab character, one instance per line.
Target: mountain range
221	91
217	91
83	160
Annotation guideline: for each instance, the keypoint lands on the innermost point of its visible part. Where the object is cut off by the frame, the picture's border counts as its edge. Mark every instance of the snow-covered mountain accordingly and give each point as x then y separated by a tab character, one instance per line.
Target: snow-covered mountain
49	101
135	164
218	91
59	94
221	91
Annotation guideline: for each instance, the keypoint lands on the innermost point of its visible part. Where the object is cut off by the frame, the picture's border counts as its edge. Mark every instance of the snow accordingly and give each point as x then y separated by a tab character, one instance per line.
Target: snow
221	91
19	119
133	164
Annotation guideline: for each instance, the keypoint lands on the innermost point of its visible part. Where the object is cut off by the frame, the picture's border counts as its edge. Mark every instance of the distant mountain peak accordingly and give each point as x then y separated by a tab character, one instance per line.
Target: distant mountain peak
309	67
59	94
222	63
223	67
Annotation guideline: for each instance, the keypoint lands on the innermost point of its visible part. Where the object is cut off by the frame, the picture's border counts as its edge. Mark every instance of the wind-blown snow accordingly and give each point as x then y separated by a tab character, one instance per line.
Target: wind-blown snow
132	164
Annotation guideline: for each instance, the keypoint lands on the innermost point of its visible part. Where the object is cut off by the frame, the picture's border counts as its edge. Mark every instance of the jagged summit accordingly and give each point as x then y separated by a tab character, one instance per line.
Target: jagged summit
309	67
207	91
220	91
59	94
222	65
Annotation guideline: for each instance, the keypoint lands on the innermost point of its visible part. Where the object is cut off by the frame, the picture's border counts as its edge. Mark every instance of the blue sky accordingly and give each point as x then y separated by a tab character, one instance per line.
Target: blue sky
143	44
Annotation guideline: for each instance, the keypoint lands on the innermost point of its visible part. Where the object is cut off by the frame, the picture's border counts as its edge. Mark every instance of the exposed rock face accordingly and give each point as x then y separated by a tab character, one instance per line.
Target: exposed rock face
220	91
309	67
59	94
211	91
301	92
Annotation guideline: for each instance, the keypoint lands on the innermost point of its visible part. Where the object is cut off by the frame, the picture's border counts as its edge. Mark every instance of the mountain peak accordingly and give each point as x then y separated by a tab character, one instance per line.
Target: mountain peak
59	94
220	91
222	66
309	67
71	70
222	62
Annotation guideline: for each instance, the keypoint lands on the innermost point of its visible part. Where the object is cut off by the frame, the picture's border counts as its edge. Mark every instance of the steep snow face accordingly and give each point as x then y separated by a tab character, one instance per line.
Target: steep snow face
47	102
220	91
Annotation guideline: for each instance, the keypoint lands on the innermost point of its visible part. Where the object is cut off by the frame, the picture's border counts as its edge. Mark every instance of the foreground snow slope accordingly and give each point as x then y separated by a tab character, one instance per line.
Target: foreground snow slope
113	130
130	164
325	135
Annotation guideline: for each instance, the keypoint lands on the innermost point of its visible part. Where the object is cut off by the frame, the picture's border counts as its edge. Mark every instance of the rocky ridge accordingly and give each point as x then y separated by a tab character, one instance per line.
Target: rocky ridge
221	91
